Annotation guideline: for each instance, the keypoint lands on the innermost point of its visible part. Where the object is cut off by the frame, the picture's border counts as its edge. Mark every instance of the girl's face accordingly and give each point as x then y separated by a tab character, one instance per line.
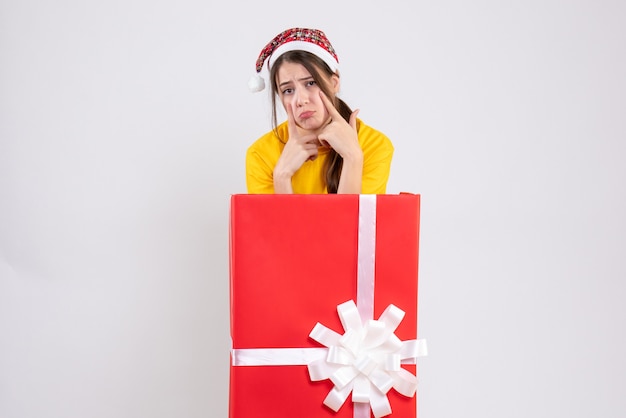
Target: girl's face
298	91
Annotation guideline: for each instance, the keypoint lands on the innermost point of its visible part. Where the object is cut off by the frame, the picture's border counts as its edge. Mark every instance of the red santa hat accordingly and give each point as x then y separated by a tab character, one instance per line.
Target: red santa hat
300	39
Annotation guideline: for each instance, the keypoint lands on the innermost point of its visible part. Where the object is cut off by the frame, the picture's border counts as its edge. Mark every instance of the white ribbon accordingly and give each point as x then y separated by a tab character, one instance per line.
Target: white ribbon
366	359
366	256
276	356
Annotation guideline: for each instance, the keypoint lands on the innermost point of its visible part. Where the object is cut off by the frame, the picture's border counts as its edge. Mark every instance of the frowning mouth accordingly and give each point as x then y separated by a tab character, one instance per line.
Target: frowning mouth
307	114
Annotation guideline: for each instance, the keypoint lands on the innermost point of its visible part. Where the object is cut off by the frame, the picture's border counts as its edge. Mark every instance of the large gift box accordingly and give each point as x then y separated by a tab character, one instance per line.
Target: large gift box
323	304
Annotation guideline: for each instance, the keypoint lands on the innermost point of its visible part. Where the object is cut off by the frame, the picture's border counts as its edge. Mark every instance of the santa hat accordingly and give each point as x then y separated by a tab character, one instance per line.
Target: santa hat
295	39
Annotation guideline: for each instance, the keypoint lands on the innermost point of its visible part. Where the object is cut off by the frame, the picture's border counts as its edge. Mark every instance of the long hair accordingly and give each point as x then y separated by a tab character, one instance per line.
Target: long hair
320	72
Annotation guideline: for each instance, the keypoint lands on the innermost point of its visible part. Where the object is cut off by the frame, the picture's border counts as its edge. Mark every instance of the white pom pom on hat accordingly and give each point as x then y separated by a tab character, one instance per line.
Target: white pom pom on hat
256	83
294	39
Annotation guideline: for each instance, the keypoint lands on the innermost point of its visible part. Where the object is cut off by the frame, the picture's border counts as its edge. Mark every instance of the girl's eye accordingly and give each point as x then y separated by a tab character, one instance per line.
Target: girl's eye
287	91
310	83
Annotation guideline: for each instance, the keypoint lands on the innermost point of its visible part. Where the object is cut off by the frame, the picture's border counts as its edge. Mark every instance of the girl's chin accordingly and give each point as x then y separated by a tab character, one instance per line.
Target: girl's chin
310	125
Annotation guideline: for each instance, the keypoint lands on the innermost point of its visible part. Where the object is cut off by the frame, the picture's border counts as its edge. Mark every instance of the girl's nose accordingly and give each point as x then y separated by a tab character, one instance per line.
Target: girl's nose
302	98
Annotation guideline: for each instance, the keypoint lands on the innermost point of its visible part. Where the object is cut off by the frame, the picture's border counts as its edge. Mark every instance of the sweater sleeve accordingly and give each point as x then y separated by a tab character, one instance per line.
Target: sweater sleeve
259	174
377	155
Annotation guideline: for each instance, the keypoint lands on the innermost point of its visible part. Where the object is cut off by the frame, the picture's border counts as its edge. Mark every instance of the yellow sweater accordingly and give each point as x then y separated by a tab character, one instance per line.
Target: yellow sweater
263	155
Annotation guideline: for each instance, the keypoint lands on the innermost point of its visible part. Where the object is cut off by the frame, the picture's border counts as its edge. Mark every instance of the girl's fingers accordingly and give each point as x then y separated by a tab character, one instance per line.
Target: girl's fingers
353	119
291	122
330	107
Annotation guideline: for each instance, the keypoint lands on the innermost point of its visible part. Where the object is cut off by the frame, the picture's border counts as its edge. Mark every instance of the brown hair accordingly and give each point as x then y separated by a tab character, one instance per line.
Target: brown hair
320	72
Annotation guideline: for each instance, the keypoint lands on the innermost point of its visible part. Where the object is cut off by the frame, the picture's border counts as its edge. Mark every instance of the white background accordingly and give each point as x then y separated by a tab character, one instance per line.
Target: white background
123	129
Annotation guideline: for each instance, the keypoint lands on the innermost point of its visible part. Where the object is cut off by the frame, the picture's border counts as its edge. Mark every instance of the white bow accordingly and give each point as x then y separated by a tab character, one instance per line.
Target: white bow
366	360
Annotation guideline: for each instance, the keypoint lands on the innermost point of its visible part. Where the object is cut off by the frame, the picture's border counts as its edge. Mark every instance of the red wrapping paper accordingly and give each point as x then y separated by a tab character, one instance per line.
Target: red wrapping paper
293	259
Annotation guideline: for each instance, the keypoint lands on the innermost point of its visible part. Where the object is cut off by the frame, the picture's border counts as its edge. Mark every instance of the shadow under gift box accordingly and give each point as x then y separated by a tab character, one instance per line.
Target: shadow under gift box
293	260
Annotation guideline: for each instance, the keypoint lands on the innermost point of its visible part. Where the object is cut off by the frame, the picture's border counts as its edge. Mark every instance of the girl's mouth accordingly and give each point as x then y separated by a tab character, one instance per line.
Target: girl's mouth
307	114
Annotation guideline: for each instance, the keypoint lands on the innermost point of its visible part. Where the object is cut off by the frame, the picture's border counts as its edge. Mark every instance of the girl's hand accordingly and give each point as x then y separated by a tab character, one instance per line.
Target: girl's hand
343	138
298	149
339	134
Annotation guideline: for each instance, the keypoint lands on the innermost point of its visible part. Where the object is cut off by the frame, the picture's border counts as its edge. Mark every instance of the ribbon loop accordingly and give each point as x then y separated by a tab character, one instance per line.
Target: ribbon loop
383	381
343	376
325	336
365	365
412	349
405	383
392	362
392	316
321	370
337	397
349	316
339	355
361	390
379	404
376	332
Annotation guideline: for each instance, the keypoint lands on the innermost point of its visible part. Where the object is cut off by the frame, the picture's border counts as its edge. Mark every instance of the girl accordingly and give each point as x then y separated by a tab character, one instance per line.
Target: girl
322	147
